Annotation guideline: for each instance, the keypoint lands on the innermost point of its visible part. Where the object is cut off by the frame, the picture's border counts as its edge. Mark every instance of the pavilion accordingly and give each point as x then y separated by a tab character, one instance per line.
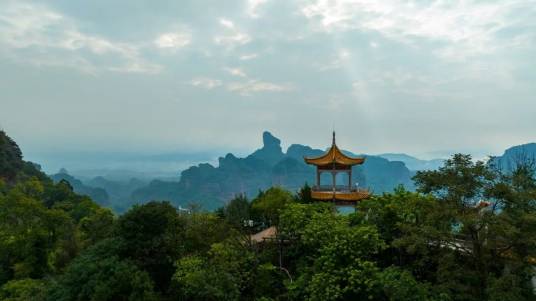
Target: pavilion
334	162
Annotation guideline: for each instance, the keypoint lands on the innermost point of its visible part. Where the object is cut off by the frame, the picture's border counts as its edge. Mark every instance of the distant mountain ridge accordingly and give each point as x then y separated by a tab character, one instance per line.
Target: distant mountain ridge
413	163
515	155
99	195
212	186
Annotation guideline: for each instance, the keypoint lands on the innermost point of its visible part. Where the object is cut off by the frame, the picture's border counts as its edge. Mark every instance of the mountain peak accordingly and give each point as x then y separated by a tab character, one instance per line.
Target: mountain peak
522	148
271	151
515	155
270	141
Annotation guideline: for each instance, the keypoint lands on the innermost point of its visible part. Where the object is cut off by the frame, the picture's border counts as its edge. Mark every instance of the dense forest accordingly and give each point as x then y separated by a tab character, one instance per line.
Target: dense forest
467	233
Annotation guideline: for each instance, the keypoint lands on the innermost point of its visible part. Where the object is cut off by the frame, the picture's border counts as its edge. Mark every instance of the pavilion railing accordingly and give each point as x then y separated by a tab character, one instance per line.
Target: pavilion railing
340	188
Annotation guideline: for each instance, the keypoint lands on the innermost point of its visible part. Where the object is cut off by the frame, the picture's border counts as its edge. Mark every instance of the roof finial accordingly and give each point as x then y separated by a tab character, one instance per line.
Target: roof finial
333	138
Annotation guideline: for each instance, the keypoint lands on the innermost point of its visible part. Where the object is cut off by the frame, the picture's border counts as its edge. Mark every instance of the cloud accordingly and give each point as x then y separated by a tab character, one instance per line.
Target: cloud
341	58
247	57
472	26
433	60
253	86
137	67
206	83
253	6
236	72
173	40
36	34
227	23
245	88
233	36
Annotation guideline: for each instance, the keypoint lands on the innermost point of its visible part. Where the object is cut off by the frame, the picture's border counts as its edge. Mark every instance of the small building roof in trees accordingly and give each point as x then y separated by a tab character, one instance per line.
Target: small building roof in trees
268	233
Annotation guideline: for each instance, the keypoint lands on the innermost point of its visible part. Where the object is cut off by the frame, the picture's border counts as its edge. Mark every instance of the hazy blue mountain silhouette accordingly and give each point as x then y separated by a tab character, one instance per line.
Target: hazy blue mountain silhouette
98	195
211	187
118	191
513	156
413	163
271	152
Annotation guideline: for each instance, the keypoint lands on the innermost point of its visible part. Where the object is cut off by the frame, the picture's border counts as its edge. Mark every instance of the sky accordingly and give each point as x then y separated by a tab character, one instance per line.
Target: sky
428	78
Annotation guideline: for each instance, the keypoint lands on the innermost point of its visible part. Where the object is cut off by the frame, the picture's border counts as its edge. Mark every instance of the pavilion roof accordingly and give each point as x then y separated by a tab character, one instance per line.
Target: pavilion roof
334	155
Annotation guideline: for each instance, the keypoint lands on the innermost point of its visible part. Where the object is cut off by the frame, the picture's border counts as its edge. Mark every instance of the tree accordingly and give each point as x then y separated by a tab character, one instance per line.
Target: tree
400	218
334	257
344	268
400	285
96	226
24	290
10	158
304	195
238	211
229	271
153	238
267	205
29	232
204	229
198	278
100	274
477	227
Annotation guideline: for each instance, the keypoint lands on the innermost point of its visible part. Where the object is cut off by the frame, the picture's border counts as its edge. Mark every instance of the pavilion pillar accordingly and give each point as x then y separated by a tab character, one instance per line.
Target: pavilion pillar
334	174
350	179
318	172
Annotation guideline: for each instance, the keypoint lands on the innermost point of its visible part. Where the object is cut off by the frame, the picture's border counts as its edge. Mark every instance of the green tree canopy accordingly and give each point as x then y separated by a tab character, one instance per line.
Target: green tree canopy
237	211
269	203
153	238
100	274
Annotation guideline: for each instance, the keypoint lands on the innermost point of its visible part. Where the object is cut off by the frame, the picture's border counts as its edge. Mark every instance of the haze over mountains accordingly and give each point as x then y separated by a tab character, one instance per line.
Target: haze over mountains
413	163
211	185
120	166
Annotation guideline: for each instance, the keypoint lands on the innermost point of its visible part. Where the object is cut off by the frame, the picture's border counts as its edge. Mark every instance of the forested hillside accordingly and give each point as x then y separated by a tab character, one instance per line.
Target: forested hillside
115	195
99	195
468	233
43	226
